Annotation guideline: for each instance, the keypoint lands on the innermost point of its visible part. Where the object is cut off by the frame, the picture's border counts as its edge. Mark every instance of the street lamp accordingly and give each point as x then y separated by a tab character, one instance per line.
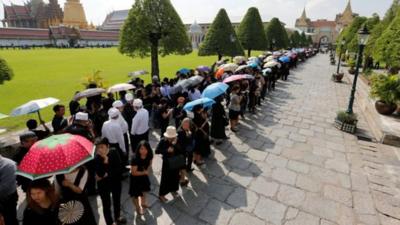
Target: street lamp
340	55
363	35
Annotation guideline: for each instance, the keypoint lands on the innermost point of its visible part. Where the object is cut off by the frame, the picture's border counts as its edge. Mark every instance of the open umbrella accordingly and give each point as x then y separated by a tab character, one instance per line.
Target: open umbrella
203	68
219	73
253	65
271	64
184	71
237	77
138	73
230	67
284	59
267	71
34	106
205	102
269	58
239	59
2	116
120	87
195	80
58	154
214	90
90	92
242	68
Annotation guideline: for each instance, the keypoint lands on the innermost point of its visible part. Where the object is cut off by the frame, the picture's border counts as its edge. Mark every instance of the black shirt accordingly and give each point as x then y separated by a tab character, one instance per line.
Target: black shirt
44	217
59	124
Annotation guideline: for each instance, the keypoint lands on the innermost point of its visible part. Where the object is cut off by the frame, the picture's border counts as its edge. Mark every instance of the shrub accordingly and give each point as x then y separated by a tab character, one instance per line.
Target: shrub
345	117
385	88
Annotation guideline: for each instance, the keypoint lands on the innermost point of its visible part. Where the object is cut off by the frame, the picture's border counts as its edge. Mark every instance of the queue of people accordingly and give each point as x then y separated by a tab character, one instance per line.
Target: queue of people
120	129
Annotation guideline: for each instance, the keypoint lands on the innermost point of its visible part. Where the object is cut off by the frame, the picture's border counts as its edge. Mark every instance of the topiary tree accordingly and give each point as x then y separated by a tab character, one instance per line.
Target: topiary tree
303	40
221	38
296	39
388	47
153	26
6	73
251	32
276	32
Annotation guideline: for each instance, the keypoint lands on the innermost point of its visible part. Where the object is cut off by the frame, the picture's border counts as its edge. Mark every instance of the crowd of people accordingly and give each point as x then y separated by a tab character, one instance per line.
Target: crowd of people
120	127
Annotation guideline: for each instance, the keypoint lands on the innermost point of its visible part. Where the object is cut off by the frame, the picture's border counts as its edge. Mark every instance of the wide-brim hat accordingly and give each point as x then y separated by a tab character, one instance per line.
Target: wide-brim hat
170	132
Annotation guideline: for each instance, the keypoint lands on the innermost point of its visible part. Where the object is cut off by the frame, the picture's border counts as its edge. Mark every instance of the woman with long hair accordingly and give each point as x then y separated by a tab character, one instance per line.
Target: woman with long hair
42	204
140	182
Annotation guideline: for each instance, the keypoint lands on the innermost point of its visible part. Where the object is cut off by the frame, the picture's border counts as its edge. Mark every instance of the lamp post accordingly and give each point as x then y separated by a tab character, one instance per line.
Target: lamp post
340	55
363	35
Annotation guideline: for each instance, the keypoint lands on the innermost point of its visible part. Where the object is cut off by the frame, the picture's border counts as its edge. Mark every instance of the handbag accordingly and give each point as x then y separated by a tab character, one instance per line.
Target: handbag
176	162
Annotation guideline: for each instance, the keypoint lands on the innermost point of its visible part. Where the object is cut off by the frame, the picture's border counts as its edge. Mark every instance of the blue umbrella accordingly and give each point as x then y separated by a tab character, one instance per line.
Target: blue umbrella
254	65
206	102
284	59
184	71
214	90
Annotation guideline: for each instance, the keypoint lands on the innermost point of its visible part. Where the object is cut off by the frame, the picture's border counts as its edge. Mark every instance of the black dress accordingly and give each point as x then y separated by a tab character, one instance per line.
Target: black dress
44	217
169	178
218	121
201	136
139	184
68	195
186	141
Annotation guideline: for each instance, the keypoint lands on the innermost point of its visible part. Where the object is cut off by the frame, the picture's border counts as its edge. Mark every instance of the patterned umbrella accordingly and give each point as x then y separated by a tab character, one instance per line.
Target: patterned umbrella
34	106
58	154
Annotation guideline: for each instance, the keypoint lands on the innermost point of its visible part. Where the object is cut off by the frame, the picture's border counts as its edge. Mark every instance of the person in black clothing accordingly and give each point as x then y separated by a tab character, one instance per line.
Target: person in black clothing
179	114
73	188
59	123
201	135
8	192
108	176
40	134
98	116
164	114
218	121
140	183
81	126
27	139
186	141
169	148
42	208
74	106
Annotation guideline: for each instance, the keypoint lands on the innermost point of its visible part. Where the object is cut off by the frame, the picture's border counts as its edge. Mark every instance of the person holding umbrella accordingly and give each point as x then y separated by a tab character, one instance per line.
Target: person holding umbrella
40	134
108	176
173	162
218	121
42	204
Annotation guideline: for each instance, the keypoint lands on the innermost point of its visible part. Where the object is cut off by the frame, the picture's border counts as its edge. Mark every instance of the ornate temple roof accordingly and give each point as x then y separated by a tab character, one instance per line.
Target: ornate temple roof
16	12
115	20
24	33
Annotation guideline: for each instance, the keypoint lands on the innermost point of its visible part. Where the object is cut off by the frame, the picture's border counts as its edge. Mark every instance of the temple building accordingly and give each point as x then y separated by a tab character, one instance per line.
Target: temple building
34	14
322	31
74	14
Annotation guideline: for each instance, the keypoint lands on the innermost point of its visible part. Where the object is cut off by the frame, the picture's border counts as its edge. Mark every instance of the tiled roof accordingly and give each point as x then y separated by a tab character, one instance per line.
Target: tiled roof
17	12
323	23
24	33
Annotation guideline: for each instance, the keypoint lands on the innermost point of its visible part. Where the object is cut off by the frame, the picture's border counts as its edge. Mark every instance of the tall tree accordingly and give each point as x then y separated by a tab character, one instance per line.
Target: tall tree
277	33
251	32
376	33
6	72
153	26
221	38
388	46
303	40
295	38
349	34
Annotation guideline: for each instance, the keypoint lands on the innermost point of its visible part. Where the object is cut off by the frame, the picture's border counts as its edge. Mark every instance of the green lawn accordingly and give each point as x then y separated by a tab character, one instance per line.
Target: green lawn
59	73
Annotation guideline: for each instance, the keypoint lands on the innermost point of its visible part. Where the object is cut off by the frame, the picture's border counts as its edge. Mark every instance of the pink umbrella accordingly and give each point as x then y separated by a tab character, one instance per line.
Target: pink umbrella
58	154
238	77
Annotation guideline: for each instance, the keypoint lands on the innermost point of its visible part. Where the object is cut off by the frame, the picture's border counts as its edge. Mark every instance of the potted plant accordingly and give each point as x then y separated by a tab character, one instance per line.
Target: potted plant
337	77
351	63
385	88
346	122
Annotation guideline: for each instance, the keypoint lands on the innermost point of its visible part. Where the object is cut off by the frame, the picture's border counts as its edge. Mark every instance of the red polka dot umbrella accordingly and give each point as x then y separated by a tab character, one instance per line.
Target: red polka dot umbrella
58	154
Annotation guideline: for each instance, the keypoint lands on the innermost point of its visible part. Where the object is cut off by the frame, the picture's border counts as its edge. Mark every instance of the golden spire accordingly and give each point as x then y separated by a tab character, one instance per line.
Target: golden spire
348	9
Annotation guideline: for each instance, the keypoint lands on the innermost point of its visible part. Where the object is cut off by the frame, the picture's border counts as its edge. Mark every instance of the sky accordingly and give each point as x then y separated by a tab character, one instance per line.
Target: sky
204	11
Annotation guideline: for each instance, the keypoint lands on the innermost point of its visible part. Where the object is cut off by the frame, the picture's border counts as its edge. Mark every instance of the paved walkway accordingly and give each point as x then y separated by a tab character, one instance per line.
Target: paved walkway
287	165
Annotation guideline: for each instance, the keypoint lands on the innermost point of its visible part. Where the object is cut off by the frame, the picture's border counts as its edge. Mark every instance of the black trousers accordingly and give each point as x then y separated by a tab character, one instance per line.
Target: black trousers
189	160
107	191
9	206
126	140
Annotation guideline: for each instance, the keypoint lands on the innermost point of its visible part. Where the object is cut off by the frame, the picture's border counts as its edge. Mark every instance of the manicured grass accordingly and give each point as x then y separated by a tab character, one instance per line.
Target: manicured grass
58	73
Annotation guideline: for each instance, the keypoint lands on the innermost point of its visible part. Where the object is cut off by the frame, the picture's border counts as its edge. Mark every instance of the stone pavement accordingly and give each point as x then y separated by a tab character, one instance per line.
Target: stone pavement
287	165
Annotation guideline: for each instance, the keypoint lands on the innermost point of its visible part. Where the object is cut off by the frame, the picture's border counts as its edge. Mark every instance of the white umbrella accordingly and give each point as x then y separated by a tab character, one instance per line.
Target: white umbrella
269	58
90	92
2	116
120	87
271	64
138	73
34	106
242	68
230	67
239	59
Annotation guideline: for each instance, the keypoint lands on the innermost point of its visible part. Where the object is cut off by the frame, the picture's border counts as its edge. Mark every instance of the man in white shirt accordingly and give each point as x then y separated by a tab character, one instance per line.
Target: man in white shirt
140	124
124	126
113	132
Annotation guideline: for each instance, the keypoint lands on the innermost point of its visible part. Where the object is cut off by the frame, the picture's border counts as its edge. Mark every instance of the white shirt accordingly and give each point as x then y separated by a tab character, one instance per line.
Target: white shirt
122	122
140	123
113	132
194	96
